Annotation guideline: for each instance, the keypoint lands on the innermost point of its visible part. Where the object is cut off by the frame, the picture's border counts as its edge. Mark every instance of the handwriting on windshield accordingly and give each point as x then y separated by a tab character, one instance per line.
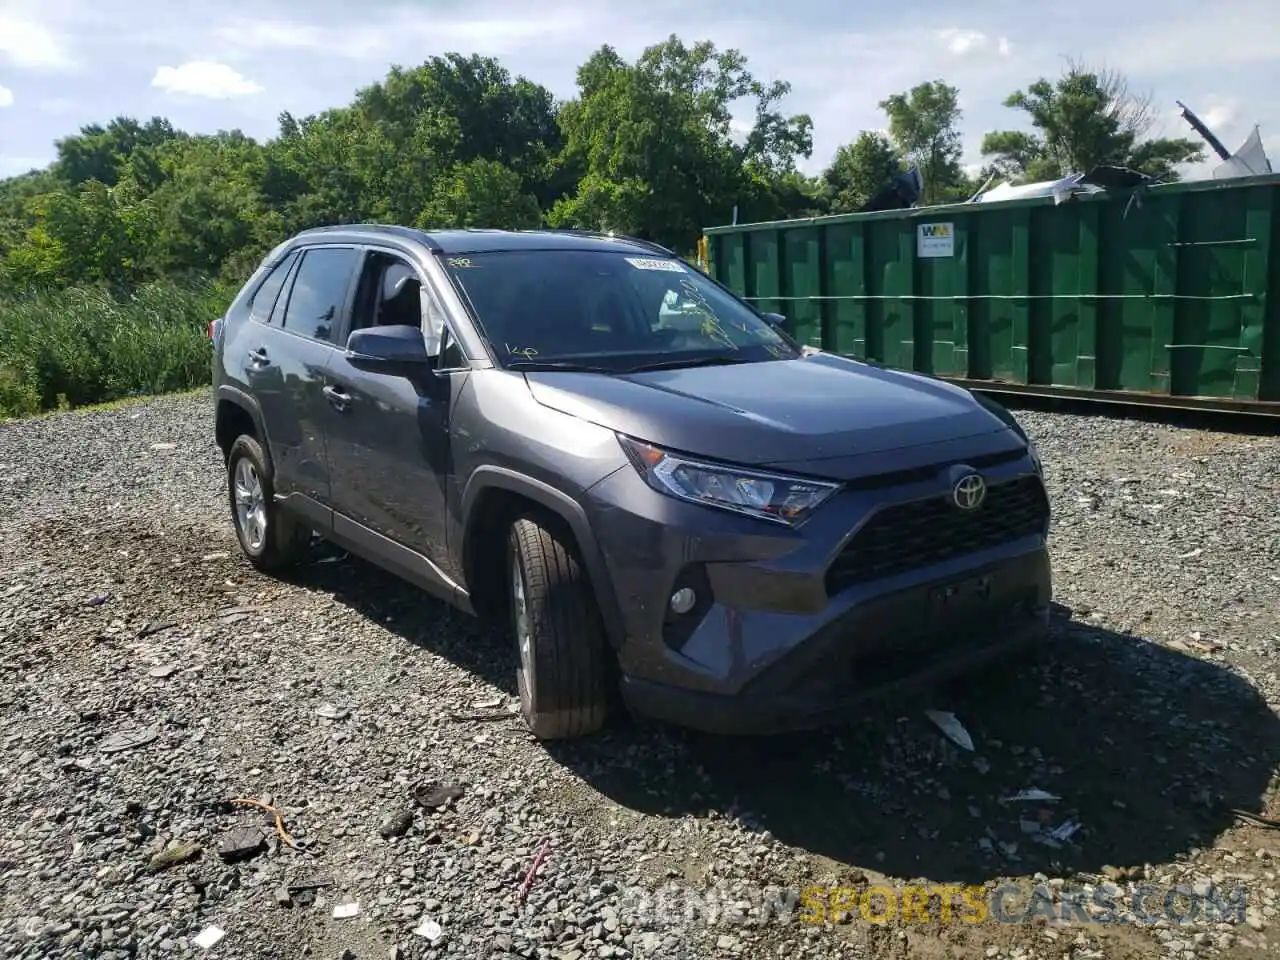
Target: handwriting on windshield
527	352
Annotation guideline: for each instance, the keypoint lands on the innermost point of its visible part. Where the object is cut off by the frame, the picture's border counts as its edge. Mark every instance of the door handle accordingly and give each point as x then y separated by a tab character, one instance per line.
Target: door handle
337	399
259	357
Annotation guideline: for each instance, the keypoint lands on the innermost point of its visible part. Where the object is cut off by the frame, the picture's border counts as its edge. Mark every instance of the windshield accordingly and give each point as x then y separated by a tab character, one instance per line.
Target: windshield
608	311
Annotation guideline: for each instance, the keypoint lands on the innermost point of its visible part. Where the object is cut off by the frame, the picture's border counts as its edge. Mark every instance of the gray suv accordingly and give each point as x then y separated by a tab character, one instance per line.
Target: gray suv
674	506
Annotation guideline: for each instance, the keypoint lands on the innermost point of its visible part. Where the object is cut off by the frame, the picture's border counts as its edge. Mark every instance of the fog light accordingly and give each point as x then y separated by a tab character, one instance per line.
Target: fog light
683	600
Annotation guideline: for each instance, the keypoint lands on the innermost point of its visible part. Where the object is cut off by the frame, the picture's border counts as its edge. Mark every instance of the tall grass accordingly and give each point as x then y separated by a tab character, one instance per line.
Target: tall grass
81	346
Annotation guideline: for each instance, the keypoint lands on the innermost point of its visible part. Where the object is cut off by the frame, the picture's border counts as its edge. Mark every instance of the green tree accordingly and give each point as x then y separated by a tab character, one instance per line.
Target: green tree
1086	118
100	153
924	126
860	170
481	193
655	145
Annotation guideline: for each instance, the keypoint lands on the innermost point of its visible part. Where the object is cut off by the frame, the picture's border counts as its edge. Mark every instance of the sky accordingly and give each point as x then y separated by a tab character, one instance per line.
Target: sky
237	64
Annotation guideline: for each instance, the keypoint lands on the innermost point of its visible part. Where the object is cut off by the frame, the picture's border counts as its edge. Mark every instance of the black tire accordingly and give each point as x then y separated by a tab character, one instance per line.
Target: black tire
565	692
284	541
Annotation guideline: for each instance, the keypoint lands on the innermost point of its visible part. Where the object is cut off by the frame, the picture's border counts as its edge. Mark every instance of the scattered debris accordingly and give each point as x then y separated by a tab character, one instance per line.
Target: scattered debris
345	911
155	626
164	446
483	716
283	898
207	937
163	672
241	844
533	868
330	712
128	740
219	555
1059	834
397	825
436	795
269	808
953	728
1034	794
430	929
1192	554
97	601
493	703
1255	819
174	854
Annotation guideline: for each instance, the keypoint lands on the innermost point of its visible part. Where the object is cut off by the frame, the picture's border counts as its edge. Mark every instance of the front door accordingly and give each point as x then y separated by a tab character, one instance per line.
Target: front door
389	447
288	351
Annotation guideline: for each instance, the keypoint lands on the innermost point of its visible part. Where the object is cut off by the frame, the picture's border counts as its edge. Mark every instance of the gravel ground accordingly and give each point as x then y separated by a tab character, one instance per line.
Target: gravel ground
149	677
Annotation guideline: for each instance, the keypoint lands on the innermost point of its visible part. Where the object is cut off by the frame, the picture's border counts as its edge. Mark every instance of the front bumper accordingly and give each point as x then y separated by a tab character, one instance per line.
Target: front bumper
883	649
776	643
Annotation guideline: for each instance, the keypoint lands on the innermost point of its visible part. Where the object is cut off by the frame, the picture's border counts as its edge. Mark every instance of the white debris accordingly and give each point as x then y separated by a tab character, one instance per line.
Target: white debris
953	728
207	937
345	911
430	929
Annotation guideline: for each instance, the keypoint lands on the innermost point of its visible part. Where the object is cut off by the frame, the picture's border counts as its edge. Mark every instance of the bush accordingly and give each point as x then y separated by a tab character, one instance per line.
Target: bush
81	346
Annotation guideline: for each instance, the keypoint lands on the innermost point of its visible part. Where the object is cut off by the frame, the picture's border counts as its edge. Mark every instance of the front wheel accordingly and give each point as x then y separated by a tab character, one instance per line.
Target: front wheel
269	537
562	669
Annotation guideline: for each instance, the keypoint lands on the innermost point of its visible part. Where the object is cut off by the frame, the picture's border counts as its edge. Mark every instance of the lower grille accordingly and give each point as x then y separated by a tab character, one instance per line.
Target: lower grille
925	532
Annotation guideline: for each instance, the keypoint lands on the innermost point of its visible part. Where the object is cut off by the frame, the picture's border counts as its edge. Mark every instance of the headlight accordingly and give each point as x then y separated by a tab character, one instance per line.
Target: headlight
766	496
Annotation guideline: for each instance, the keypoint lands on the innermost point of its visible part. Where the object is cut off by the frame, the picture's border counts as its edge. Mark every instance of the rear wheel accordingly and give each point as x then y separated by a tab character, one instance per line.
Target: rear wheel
562	655
269	537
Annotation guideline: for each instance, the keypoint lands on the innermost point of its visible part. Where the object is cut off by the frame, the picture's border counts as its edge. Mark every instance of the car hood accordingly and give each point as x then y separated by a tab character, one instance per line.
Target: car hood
820	414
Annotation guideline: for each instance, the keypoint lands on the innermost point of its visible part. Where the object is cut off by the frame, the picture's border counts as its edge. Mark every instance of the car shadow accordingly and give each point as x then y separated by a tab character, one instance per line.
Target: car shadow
1147	748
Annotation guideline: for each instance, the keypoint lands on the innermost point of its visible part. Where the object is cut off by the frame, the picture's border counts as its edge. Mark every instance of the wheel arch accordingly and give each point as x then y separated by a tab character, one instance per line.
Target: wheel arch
236	411
494	498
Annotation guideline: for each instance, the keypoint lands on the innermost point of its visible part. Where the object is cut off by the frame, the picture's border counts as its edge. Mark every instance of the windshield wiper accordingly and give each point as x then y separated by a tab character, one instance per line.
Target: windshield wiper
556	365
675	364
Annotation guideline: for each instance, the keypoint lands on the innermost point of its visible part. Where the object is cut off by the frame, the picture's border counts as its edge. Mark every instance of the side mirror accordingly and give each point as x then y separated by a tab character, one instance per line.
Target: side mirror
776	320
400	349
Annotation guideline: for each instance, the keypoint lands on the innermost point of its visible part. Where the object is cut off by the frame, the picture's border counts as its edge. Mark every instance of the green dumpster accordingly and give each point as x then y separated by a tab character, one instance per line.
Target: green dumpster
1156	295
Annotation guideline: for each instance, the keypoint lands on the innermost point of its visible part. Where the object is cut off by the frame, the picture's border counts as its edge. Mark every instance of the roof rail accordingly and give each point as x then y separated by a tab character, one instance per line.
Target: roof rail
395	230
648	244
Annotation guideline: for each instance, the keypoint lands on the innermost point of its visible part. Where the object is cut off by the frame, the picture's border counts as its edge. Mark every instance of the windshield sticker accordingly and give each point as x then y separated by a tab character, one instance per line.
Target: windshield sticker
648	263
462	262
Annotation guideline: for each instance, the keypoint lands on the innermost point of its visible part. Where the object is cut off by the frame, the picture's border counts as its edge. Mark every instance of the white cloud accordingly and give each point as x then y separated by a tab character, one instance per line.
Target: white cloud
205	78
6	96
29	44
963	43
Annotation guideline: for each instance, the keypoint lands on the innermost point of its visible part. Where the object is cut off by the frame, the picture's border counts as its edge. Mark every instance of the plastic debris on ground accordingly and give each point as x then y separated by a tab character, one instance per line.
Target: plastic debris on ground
345	911
430	929
1031	794
207	937
953	728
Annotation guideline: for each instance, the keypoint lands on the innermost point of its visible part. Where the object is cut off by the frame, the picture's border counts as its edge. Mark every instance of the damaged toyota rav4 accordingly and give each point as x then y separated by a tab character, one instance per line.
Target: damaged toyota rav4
672	506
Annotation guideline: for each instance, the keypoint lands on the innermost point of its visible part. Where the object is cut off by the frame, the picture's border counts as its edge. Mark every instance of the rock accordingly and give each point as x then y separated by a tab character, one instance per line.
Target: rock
242	843
397	825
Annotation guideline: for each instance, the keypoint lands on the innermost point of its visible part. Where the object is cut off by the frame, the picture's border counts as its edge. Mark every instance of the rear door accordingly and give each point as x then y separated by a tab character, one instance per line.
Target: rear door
287	357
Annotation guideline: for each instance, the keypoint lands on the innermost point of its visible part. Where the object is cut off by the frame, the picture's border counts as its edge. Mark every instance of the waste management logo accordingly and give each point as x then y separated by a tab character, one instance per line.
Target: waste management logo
745	905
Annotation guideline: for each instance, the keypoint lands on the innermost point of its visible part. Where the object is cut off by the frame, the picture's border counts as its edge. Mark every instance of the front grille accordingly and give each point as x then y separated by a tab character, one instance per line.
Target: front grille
925	532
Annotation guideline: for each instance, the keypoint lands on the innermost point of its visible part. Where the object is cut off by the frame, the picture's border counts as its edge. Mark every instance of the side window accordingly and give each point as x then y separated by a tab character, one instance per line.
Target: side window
269	290
387	294
451	357
320	291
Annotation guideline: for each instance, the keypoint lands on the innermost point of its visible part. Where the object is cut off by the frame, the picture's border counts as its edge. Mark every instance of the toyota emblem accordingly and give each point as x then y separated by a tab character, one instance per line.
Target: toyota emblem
969	492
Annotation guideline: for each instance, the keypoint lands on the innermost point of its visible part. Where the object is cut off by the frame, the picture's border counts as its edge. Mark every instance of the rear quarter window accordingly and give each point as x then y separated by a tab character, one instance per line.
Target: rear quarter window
264	298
